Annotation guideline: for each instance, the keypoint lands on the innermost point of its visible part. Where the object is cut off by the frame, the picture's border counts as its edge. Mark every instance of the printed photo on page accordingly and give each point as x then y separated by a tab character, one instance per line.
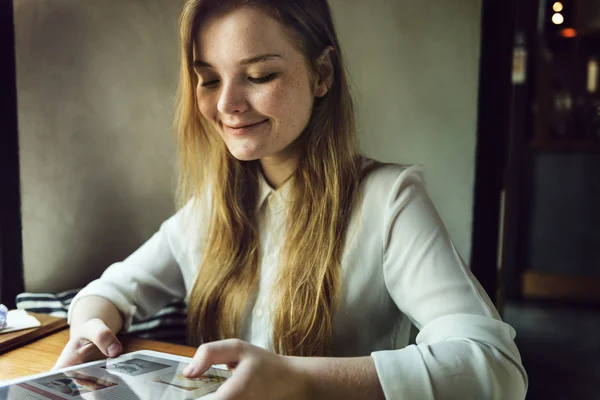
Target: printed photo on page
139	375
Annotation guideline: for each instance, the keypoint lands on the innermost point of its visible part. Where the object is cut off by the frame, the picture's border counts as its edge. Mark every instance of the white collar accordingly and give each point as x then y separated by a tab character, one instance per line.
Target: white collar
265	191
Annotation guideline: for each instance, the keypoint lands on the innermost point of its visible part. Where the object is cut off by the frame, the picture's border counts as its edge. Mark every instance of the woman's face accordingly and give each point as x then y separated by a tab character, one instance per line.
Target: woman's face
254	86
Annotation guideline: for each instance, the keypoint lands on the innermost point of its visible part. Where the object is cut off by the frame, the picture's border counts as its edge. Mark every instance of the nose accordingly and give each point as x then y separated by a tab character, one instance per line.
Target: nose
232	99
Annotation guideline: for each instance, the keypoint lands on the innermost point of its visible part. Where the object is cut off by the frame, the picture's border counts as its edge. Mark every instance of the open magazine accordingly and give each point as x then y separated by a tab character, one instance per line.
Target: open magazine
139	375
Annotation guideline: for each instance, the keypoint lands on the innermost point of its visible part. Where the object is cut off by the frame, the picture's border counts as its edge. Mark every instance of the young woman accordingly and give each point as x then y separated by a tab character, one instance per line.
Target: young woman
302	263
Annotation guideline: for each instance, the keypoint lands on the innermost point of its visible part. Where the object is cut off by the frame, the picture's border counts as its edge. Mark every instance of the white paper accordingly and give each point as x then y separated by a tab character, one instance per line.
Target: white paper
17	320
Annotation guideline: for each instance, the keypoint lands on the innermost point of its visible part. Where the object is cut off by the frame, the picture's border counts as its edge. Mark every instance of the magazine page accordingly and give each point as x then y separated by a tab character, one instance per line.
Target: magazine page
140	375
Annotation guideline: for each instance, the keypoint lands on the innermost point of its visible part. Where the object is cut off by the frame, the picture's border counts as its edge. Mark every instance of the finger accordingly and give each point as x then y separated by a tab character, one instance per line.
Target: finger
227	351
67	357
98	333
76	352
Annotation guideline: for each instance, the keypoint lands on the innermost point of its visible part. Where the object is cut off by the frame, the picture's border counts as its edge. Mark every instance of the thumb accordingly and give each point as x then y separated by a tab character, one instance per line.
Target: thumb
96	331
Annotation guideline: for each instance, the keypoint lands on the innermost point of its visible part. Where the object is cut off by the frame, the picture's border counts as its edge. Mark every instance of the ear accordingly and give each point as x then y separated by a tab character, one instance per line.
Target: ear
324	69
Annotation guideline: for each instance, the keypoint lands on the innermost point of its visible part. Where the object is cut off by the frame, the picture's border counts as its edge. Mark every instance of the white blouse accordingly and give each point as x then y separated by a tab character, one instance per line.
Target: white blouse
399	267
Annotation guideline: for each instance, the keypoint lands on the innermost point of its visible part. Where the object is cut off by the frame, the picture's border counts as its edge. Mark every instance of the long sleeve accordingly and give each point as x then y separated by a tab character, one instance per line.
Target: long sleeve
150	277
463	350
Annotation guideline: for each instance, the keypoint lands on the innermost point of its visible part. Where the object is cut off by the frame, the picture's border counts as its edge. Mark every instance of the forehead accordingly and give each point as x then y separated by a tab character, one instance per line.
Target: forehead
240	33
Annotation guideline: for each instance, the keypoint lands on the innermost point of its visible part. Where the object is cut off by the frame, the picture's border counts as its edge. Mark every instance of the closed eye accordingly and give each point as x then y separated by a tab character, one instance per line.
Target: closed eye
210	84
263	79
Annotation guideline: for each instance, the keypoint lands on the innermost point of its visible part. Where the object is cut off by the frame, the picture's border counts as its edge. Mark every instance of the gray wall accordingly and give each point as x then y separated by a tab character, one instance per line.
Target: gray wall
415	65
95	91
95	86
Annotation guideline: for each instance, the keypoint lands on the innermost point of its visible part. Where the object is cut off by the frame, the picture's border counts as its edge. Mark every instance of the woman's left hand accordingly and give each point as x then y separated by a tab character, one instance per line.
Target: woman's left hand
257	373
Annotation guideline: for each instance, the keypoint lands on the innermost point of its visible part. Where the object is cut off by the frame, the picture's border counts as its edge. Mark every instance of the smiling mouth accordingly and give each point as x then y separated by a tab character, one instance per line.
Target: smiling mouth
241	130
245	126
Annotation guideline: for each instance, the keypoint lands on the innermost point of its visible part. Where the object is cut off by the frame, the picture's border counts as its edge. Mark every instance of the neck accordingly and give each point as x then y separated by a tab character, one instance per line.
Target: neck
278	168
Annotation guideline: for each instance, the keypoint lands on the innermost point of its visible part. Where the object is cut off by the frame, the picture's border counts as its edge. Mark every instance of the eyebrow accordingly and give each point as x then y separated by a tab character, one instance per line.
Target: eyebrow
246	61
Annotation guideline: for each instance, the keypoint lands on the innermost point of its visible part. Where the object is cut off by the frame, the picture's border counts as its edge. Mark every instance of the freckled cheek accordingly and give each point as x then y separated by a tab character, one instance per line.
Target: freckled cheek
276	103
295	109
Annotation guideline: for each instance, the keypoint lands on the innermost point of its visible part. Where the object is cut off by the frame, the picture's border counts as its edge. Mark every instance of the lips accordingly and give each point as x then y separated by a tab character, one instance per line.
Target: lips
247	125
245	128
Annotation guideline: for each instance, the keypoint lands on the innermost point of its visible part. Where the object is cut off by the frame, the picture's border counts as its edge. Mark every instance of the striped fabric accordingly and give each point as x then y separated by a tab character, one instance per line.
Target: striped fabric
168	325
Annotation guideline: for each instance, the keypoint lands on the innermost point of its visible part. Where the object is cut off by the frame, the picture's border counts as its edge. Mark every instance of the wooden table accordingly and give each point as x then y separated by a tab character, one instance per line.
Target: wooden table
49	324
40	356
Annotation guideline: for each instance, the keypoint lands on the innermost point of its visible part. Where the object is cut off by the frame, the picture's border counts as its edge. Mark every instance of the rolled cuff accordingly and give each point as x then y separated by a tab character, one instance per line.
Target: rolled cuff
456	355
402	374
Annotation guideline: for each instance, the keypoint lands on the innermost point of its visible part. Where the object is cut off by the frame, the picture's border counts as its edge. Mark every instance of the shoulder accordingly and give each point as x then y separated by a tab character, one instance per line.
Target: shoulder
387	193
187	226
382	182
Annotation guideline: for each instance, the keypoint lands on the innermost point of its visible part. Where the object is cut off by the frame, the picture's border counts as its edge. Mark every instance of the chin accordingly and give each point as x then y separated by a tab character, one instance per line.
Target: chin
245	158
244	154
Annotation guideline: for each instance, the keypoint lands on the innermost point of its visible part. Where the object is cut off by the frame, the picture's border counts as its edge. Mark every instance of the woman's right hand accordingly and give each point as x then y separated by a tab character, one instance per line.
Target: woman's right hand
91	341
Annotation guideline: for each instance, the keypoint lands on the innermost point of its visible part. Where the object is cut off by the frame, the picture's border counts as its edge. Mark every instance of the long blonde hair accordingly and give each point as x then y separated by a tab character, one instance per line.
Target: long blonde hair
324	189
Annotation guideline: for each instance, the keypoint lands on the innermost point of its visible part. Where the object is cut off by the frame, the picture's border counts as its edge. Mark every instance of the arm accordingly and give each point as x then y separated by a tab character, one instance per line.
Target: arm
463	349
91	307
338	378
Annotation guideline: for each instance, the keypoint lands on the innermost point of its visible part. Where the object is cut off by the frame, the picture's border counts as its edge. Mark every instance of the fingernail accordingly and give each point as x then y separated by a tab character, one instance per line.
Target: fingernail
113	350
